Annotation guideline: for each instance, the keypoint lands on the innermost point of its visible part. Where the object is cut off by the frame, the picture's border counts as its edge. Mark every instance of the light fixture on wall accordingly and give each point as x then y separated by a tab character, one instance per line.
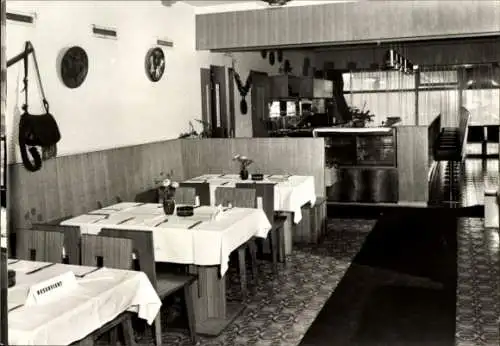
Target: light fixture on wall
396	61
102	32
22	18
276	2
164	42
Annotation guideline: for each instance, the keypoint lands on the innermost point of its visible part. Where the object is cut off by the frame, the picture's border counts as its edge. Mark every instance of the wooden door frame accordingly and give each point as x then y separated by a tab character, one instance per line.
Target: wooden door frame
254	73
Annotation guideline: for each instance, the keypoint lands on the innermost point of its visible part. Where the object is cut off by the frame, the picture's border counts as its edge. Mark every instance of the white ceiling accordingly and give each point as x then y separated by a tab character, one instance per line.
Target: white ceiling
204	3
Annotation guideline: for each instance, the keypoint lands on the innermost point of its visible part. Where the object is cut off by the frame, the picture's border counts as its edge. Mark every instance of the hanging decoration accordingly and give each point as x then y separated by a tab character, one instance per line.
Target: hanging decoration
287	67
280	55
243	89
74	67
263	54
155	64
271	58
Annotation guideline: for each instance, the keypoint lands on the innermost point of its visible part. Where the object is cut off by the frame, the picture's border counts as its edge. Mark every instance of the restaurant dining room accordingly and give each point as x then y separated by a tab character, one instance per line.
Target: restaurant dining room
269	172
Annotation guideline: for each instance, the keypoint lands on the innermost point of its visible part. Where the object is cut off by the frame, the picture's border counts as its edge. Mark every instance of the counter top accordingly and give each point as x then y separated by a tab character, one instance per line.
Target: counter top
370	130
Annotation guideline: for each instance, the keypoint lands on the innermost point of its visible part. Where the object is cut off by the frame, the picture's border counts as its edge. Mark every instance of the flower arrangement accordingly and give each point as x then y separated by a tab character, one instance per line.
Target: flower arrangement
243	160
166	186
244	163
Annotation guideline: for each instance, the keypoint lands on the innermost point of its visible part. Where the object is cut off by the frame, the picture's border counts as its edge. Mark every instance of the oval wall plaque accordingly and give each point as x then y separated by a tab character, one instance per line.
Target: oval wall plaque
155	64
74	67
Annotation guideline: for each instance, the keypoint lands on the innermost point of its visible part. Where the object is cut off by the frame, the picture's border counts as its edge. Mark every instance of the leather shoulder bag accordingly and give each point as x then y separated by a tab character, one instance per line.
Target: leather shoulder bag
36	130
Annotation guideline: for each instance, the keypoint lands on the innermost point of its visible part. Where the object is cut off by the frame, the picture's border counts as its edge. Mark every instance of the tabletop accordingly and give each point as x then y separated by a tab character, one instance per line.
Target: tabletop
291	192
206	238
98	296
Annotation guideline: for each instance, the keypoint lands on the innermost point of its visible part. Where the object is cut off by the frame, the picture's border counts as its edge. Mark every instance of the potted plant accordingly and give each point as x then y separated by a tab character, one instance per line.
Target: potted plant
244	163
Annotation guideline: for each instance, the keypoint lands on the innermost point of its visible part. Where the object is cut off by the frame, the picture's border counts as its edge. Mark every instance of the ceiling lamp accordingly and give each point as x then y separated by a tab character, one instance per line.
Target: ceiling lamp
276	2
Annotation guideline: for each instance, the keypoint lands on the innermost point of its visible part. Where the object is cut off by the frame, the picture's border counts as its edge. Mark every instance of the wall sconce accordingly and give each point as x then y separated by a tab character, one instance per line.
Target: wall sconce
102	32
164	42
22	18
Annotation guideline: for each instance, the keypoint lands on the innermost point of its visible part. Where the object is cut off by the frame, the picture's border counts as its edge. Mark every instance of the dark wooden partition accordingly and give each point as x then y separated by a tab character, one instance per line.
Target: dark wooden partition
302	156
413	163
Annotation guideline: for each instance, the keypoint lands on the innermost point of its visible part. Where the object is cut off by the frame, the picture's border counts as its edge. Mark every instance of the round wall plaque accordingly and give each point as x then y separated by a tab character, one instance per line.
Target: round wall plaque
74	67
155	64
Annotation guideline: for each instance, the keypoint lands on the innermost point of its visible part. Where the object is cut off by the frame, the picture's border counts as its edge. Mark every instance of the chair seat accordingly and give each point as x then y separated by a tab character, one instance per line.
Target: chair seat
168	283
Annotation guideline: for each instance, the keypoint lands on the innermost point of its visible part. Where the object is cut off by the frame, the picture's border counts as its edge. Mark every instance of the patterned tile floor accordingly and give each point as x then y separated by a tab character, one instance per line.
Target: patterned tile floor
284	306
478	286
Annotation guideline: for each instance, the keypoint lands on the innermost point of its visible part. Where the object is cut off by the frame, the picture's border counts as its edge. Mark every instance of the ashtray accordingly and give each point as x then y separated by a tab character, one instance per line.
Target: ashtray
257	176
186	210
11	274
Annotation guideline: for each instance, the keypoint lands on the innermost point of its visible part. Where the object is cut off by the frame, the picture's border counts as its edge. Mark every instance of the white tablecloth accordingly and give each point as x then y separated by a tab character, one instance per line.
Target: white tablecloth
290	192
208	243
98	299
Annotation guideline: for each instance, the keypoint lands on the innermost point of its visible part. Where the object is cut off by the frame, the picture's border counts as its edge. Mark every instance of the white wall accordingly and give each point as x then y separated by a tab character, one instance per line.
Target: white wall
117	105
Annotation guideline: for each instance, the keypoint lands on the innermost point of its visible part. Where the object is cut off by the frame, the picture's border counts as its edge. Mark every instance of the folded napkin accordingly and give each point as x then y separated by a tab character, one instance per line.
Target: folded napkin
218	212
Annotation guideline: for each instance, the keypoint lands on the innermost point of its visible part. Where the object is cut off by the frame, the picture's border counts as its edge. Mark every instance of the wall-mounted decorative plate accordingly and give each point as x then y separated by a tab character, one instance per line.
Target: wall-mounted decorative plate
155	64
74	67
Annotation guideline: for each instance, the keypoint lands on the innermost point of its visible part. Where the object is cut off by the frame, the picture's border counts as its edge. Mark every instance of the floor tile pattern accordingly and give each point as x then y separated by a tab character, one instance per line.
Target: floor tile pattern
478	286
283	307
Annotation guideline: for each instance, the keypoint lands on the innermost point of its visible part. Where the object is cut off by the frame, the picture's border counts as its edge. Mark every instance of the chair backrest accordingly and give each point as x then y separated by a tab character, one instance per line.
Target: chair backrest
242	198
108	252
34	245
142	248
71	235
185	195
266	192
224	195
149	196
245	198
202	191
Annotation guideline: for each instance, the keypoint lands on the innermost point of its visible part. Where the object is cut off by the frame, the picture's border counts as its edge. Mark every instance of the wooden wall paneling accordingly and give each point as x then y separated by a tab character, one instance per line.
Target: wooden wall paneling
88	183
412	163
117	173
302	156
347	22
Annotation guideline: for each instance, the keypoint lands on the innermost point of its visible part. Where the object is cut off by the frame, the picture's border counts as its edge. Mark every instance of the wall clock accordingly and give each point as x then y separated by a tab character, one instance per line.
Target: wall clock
74	67
155	64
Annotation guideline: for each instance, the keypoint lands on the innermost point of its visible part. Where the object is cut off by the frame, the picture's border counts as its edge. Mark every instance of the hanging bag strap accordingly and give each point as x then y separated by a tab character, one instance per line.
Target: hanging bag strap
37	164
28	47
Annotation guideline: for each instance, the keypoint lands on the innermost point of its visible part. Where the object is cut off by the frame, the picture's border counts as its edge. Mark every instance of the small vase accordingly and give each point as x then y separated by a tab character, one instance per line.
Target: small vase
168	206
244	174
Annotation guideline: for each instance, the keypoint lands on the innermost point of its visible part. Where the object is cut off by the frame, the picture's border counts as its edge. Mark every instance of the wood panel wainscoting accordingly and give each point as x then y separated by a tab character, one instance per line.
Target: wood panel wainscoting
74	184
300	156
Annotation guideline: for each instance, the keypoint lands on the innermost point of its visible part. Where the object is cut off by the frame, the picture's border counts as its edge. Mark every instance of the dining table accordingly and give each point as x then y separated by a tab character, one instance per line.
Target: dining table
203	242
291	192
58	304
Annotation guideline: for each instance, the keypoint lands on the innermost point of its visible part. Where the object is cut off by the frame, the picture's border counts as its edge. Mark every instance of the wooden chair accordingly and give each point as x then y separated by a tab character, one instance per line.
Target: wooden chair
71	236
202	191
241	198
33	245
185	195
165	283
113	253
276	236
149	196
100	251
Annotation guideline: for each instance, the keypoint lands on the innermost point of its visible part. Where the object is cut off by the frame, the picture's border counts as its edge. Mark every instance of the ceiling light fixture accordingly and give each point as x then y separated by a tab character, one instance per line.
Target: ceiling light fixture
276	2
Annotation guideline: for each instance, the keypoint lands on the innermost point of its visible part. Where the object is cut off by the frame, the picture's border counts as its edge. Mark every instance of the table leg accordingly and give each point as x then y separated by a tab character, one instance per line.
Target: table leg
212	311
287	229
